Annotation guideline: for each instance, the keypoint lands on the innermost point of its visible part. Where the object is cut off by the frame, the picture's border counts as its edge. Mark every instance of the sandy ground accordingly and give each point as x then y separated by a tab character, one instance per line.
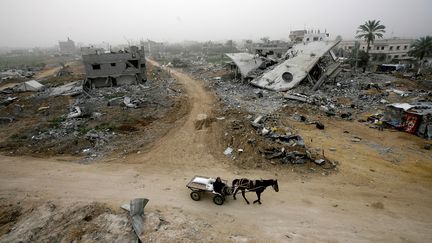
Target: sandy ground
378	195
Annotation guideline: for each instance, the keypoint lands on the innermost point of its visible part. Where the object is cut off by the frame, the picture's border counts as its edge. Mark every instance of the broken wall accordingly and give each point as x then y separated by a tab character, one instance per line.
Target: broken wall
113	69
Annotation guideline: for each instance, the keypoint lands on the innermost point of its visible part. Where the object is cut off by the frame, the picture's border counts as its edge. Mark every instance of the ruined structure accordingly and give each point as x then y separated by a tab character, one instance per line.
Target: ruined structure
245	63
311	59
114	68
301	62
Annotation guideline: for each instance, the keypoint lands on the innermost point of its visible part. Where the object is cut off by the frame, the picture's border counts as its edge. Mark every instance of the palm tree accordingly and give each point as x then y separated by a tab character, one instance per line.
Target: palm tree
421	48
369	30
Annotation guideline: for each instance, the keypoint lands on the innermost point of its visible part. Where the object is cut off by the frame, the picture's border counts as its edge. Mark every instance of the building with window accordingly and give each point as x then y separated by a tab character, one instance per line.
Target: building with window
383	50
315	36
107	69
271	48
297	35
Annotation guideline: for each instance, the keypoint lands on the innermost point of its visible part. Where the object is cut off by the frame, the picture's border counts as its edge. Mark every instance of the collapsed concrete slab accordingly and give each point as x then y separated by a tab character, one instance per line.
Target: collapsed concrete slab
245	62
302	58
31	85
72	88
136	212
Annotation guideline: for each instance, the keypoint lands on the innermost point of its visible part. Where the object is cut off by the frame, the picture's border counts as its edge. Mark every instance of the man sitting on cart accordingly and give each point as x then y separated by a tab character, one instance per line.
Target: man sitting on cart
218	186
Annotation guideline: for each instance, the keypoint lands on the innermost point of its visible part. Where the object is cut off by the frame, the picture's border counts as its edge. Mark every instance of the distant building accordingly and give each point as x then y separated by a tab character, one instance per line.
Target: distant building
18	52
106	69
383	50
274	48
153	48
297	35
67	47
315	36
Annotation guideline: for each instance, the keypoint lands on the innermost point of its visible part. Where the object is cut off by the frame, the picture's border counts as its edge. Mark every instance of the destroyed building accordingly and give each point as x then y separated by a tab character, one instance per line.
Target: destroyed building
310	60
107	69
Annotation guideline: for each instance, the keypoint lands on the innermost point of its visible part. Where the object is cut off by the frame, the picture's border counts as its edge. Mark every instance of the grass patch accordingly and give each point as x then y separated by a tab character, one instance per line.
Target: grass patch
219	58
83	130
105	127
55	122
115	95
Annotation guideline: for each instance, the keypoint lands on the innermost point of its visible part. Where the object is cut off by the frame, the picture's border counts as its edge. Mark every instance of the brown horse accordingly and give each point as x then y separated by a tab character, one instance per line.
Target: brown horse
257	186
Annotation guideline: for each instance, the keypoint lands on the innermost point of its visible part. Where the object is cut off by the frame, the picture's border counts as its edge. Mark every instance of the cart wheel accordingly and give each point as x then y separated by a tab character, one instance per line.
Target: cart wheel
227	190
218	199
195	196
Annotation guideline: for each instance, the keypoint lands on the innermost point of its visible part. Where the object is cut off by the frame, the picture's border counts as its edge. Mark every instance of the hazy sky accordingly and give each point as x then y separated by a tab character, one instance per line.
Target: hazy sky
27	23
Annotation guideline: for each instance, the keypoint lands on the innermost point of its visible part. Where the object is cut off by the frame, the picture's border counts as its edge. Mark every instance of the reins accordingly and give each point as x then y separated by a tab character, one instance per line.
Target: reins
252	189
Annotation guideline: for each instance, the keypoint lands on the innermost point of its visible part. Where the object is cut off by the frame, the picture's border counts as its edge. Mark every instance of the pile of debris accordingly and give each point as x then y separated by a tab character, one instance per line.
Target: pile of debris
267	139
15	74
69	120
90	120
412	118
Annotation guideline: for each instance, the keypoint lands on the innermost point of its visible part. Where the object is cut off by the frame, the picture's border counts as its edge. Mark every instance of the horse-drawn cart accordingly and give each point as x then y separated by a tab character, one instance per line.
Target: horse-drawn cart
202	184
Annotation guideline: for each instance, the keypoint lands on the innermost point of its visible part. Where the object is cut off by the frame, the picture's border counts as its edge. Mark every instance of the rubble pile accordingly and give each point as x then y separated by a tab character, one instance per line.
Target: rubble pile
68	120
243	96
16	74
343	95
355	94
260	141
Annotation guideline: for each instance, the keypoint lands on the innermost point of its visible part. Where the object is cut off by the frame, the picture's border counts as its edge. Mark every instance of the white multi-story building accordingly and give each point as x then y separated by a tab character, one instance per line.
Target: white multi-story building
317	36
307	36
383	50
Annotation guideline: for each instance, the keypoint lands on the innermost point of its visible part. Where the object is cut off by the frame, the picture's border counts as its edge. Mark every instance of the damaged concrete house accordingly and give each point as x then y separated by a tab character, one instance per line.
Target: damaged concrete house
107	69
311	59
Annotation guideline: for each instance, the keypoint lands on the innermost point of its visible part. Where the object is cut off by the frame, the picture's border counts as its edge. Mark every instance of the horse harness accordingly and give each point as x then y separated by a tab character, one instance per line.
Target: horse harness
252	185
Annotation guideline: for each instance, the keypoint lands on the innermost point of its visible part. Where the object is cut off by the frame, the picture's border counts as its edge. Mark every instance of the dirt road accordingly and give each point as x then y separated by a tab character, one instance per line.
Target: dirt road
368	200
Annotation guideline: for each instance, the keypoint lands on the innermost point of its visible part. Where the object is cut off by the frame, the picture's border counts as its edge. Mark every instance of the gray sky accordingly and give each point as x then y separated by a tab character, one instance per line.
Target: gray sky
28	23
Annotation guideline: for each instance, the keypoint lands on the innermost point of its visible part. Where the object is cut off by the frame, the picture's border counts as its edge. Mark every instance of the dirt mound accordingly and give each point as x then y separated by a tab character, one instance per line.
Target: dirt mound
96	222
9	214
50	223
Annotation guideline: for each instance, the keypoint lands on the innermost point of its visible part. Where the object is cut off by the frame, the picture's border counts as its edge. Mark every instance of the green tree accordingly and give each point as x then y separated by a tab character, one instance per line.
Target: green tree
420	49
369	31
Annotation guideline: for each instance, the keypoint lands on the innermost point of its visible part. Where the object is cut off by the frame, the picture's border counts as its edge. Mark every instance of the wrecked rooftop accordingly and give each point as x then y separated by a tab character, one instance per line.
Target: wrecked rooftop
299	63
